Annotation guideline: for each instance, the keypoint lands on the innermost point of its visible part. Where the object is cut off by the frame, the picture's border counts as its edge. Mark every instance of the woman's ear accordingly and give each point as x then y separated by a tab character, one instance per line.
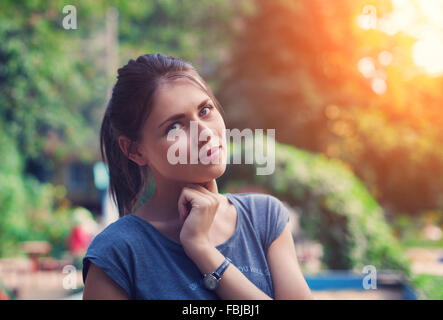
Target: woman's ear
130	149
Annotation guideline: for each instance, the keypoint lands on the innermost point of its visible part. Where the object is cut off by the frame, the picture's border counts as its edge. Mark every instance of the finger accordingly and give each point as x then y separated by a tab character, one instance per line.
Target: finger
211	186
186	203
205	192
212	198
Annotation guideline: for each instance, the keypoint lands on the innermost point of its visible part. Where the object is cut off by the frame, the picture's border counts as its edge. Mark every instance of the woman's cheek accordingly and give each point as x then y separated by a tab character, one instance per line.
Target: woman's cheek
176	150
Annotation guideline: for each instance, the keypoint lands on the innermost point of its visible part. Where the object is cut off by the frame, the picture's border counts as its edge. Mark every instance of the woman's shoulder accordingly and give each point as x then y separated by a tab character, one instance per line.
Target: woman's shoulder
262	208
257	200
266	213
111	250
120	231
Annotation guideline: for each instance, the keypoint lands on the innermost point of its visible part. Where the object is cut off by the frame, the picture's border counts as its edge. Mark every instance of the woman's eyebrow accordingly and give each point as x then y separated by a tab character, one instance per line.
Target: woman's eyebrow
181	115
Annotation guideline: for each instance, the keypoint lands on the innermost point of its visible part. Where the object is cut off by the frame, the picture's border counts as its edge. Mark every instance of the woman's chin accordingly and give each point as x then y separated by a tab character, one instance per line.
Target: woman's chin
207	172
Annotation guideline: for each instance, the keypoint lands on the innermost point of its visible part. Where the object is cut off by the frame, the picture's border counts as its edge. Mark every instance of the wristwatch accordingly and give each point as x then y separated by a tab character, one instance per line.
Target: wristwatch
211	280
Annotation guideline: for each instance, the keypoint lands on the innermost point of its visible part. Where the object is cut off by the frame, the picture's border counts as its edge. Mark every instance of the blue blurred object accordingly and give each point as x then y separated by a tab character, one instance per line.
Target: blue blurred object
347	280
335	281
101	176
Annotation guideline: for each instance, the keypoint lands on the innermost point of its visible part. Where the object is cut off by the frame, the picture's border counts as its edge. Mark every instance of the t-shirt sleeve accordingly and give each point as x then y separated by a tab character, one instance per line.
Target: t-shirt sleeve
110	256
277	217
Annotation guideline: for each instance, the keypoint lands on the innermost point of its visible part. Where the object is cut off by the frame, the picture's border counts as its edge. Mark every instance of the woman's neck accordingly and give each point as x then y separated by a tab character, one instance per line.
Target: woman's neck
163	205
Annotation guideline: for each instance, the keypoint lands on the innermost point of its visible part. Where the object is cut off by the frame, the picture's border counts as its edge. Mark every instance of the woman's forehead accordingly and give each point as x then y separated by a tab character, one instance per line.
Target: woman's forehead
174	97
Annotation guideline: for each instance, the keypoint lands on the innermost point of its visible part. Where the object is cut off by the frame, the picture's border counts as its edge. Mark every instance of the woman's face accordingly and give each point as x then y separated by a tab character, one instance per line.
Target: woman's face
200	124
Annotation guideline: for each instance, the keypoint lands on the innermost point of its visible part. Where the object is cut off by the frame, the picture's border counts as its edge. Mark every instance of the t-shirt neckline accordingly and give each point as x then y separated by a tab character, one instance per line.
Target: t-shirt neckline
177	245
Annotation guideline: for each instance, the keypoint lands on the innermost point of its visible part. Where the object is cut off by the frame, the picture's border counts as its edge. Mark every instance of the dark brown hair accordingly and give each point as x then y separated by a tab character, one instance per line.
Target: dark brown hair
129	107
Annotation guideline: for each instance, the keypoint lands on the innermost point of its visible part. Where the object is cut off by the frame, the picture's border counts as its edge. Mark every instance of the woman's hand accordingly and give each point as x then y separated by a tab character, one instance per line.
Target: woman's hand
197	206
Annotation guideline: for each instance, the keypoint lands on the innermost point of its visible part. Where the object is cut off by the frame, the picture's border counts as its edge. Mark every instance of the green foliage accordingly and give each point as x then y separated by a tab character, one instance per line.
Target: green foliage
410	229
27	207
12	193
337	209
54	82
28	213
41	88
396	158
430	287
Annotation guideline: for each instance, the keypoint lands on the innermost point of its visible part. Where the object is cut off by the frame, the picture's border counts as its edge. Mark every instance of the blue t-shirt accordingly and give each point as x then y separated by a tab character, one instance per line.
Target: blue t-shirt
148	265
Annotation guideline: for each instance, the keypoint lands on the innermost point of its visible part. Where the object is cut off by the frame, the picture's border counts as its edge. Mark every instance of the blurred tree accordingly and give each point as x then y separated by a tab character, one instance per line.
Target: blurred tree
335	207
54	84
328	81
55	80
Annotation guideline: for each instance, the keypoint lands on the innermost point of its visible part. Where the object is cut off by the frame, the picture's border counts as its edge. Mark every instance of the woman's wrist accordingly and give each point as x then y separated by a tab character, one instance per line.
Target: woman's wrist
205	256
195	246
194	249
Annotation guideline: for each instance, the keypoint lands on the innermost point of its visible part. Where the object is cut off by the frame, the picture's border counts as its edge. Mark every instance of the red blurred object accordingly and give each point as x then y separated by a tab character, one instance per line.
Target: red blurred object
3	296
78	240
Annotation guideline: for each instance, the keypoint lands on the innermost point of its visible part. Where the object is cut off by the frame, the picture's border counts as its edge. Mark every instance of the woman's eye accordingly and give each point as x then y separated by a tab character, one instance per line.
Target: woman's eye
208	107
171	127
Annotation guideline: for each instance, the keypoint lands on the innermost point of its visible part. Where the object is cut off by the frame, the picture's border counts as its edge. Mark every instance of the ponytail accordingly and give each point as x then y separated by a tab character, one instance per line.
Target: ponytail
126	177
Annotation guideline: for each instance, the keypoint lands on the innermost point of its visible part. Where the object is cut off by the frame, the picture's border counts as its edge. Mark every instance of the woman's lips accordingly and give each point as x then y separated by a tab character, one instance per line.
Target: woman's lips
212	154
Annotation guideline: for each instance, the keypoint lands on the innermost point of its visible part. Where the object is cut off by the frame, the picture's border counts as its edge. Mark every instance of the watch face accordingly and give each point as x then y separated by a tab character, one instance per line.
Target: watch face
210	282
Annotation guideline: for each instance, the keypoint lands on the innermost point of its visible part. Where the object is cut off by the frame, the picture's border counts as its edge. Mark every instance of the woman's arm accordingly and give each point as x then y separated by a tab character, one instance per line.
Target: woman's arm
233	284
287	278
194	238
99	286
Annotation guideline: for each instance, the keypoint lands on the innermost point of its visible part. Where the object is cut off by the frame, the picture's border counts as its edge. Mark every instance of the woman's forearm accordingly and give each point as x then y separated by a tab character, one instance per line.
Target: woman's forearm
234	285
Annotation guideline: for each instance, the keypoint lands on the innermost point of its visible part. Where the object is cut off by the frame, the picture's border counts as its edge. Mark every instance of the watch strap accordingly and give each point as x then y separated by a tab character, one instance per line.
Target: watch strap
222	268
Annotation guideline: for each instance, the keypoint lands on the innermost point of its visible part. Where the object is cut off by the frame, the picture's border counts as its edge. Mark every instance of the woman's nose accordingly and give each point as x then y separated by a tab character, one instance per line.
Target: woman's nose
205	134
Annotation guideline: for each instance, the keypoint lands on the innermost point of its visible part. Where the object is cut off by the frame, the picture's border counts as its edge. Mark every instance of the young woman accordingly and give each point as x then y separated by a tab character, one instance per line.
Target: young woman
187	241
